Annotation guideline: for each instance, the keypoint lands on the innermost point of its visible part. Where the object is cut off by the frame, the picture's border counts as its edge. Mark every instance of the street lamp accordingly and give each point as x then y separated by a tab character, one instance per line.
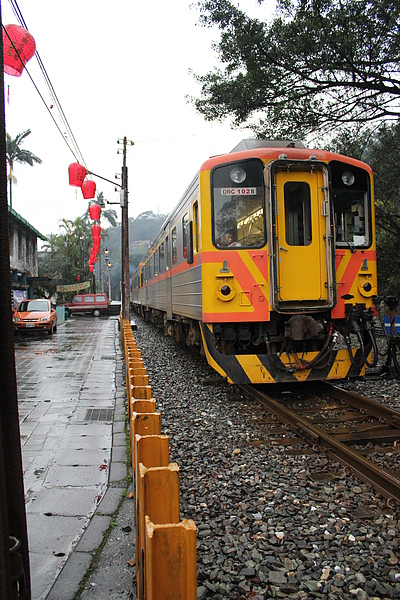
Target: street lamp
109	280
107	254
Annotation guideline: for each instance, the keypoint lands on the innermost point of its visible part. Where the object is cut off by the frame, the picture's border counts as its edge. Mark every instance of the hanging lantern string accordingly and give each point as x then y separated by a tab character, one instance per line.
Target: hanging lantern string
76	152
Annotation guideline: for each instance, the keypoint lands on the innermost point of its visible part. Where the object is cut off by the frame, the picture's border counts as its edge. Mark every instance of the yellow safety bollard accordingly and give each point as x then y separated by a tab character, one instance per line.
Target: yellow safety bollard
133	352
151	451
143	424
144	406
137	370
170	561
131	364
140	392
139	380
158	498
141	406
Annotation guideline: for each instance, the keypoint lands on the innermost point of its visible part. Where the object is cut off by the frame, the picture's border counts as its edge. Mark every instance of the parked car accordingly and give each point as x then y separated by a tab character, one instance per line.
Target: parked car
35	315
88	304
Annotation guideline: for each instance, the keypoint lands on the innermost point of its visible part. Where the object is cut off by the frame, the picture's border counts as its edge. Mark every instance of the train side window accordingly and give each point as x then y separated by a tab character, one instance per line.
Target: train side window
196	226
156	263
167	256
297	213
174	247
238	204
185	220
162	262
151	261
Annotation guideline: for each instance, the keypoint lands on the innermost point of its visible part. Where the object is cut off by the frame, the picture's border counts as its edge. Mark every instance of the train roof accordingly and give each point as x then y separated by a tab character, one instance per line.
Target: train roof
254	144
273	149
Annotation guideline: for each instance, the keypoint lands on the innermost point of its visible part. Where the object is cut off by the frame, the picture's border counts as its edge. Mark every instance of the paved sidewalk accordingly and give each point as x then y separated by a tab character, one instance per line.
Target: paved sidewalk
74	453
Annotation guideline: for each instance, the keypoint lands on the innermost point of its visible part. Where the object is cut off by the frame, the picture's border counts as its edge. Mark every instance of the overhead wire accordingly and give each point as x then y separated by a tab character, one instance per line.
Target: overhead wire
75	150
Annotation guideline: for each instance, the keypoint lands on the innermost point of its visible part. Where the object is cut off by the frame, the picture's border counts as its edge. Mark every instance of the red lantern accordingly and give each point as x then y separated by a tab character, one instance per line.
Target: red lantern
77	174
96	231
91	267
88	189
18	47
94	211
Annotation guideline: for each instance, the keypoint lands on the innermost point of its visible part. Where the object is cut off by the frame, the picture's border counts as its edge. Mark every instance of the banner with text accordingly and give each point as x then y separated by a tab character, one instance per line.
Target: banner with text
74	287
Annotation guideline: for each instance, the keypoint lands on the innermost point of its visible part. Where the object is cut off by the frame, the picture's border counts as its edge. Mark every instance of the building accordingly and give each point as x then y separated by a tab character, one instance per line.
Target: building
23	256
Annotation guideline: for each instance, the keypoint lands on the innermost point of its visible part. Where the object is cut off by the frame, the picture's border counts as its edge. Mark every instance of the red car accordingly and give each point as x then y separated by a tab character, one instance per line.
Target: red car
87	304
35	315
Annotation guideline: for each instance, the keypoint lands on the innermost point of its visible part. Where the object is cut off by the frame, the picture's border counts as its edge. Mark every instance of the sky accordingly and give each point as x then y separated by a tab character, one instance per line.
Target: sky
119	69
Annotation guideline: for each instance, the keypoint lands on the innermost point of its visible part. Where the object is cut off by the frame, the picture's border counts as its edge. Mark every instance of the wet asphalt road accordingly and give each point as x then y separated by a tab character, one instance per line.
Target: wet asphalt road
68	387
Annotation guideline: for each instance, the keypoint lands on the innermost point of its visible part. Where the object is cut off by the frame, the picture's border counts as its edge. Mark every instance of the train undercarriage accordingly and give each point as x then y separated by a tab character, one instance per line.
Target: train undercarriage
286	347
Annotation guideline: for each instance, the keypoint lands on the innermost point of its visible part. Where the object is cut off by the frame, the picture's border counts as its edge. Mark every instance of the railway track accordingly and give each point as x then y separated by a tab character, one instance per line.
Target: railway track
349	428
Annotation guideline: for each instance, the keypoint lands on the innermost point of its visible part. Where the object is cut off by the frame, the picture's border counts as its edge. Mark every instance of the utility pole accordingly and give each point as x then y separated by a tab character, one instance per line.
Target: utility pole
125	293
125	284
14	555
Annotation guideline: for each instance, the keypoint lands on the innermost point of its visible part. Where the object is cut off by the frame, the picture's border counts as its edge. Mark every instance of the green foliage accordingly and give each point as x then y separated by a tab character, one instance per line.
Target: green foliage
318	65
380	148
14	153
65	255
384	157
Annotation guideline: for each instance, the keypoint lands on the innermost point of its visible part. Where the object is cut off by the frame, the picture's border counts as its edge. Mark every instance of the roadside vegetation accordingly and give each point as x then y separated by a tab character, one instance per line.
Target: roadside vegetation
64	257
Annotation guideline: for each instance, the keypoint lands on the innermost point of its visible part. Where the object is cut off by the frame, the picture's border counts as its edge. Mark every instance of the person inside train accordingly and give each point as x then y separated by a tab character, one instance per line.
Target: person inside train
227	240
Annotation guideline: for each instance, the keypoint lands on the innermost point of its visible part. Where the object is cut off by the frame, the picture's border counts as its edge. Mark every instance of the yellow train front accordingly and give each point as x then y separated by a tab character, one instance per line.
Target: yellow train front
268	263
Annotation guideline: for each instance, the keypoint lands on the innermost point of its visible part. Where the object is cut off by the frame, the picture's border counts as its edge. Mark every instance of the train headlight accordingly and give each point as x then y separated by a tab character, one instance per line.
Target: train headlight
348	178
237	175
226	291
367	288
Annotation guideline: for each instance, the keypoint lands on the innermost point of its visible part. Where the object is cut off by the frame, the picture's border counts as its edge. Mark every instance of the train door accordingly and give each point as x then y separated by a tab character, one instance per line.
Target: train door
302	222
168	281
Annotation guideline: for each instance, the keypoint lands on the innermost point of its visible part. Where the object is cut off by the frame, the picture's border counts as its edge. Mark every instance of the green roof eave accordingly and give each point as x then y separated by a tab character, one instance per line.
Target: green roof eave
25	222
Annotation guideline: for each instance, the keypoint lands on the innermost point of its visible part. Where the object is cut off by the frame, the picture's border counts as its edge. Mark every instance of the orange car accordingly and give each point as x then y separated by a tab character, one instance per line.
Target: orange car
35	315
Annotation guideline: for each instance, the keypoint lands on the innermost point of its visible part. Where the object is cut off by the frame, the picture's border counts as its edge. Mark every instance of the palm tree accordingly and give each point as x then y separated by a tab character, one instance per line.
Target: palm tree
14	153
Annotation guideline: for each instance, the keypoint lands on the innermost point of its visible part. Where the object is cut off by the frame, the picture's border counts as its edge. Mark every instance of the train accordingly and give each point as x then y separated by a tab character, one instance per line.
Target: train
267	265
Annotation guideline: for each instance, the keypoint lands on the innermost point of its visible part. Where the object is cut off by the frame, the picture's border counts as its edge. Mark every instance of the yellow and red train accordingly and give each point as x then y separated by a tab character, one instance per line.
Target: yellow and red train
268	263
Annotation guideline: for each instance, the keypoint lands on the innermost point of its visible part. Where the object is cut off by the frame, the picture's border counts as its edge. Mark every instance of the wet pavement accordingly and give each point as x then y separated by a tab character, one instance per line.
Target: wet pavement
74	454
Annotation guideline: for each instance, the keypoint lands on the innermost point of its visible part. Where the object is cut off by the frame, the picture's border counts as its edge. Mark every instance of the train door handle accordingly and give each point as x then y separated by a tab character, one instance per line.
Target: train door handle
282	249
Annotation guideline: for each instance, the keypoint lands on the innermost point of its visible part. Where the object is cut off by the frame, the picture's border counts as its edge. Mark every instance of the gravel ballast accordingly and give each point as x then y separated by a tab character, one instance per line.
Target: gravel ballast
269	524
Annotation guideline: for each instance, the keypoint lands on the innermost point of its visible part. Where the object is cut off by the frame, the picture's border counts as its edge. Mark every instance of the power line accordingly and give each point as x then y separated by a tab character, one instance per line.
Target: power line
76	151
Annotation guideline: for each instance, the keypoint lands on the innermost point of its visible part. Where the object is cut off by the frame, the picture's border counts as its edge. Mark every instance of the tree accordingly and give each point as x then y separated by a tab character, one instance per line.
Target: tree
380	148
65	255
383	155
14	153
320	64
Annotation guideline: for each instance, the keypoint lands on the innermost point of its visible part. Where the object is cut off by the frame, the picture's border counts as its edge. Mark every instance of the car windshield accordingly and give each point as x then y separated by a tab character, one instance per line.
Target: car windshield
33	306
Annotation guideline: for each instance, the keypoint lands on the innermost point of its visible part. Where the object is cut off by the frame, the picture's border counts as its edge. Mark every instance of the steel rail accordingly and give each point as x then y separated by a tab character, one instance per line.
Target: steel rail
382	481
373	408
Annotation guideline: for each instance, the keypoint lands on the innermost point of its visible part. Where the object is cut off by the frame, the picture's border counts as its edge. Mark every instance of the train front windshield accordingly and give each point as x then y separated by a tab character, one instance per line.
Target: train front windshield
238	205
352	205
